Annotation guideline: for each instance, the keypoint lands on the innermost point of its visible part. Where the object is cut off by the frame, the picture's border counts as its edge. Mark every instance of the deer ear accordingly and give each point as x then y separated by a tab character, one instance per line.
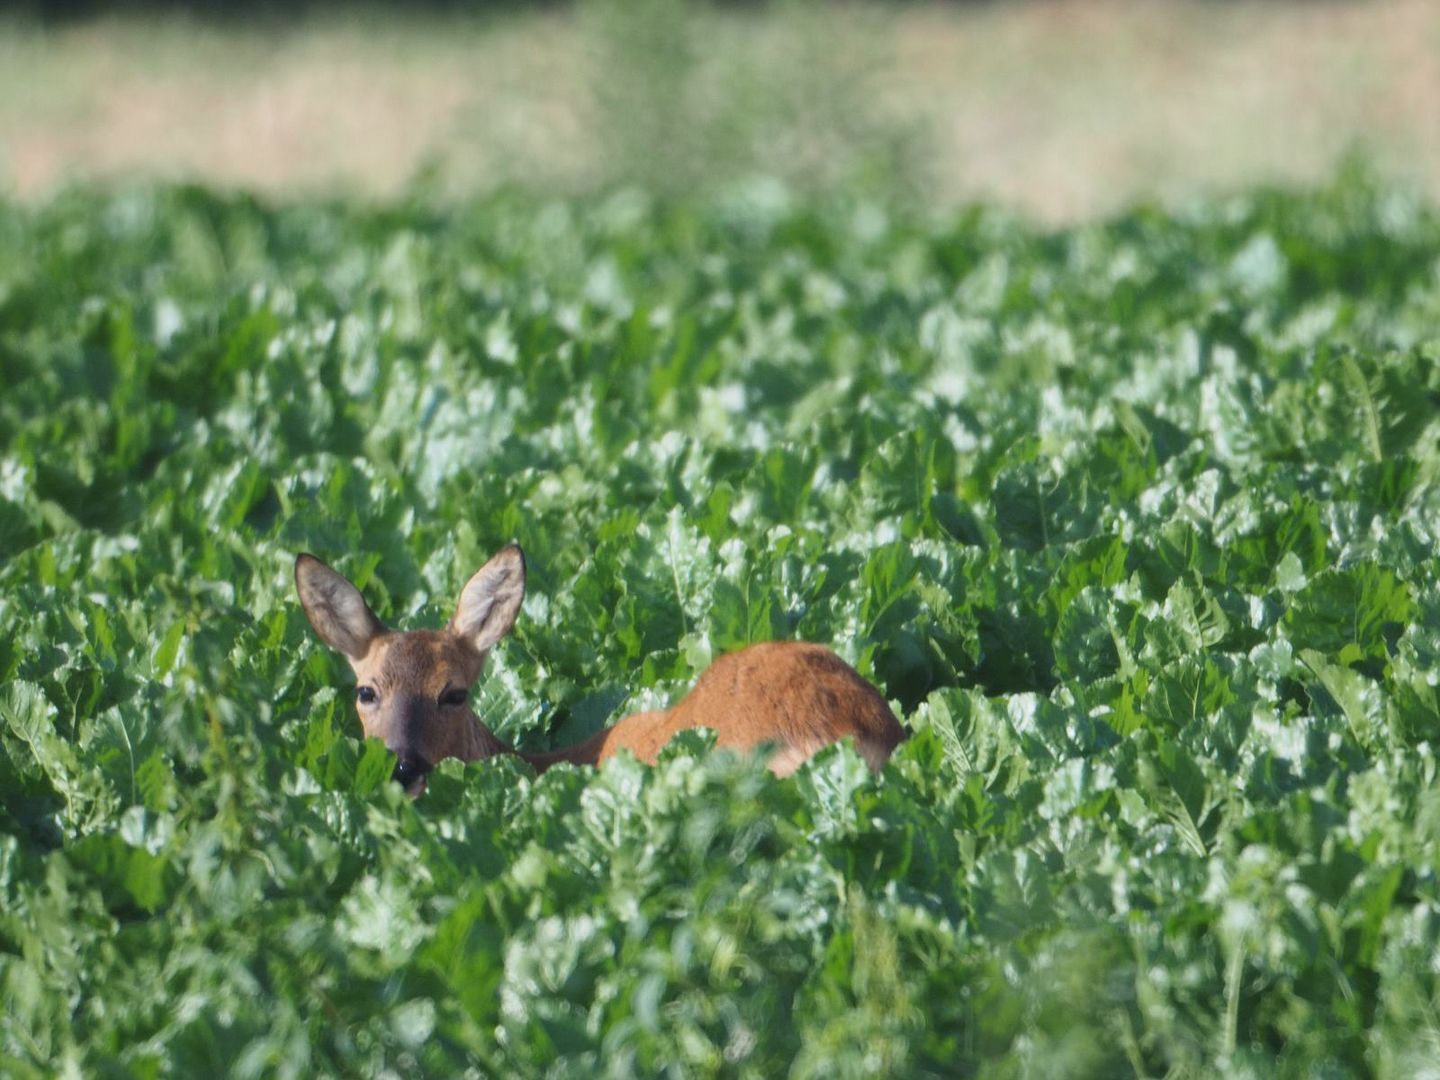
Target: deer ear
491	599
335	608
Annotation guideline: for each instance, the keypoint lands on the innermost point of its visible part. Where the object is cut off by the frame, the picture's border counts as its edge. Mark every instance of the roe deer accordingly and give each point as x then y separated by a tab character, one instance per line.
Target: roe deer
413	687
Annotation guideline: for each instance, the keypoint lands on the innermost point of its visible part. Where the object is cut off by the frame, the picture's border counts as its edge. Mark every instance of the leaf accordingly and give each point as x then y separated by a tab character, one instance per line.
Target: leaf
1099	562
1037	505
786	476
1350	614
743	615
374	767
17	529
1175	786
1378	403
1361	700
167	651
1188	693
888	578
1092	637
129	877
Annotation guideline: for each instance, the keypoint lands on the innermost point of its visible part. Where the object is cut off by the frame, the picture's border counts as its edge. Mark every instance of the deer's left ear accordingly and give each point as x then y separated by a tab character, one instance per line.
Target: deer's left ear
491	599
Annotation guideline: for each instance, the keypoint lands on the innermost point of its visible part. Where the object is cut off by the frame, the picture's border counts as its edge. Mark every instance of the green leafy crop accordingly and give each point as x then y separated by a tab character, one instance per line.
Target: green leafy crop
1135	523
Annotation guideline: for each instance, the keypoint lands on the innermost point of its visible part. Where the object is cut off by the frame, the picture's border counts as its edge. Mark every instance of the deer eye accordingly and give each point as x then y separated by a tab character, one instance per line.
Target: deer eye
366	695
454	697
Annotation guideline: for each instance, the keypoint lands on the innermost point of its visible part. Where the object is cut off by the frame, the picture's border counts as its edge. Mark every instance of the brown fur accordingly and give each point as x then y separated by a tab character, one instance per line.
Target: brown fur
794	696
410	671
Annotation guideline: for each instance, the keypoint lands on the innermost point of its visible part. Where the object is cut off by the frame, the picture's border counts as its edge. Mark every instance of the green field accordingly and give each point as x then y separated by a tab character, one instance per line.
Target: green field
1135	523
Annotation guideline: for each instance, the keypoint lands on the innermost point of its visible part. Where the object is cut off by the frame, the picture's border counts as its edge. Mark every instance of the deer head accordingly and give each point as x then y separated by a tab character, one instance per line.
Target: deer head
412	687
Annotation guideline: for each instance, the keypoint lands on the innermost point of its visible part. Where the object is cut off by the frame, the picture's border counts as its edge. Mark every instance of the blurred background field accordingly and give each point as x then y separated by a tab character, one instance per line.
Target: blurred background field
1062	110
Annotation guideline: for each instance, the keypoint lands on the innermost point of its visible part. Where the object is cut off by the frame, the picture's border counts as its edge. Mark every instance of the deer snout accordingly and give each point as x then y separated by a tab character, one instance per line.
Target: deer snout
410	774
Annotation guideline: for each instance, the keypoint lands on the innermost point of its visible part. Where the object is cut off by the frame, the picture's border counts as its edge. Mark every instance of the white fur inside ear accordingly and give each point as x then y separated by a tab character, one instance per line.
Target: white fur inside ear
490	601
335	608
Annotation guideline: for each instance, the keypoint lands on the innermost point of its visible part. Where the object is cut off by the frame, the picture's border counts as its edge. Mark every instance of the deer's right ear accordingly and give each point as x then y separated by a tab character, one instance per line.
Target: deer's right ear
335	608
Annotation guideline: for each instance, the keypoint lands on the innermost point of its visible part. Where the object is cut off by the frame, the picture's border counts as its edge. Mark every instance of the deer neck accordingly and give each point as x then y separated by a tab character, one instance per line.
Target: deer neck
481	743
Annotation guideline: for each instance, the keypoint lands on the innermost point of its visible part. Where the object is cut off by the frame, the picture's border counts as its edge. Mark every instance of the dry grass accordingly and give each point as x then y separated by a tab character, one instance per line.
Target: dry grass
1062	109
1073	108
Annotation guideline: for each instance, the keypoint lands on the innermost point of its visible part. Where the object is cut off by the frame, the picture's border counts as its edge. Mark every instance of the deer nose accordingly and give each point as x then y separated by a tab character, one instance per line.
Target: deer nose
409	771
